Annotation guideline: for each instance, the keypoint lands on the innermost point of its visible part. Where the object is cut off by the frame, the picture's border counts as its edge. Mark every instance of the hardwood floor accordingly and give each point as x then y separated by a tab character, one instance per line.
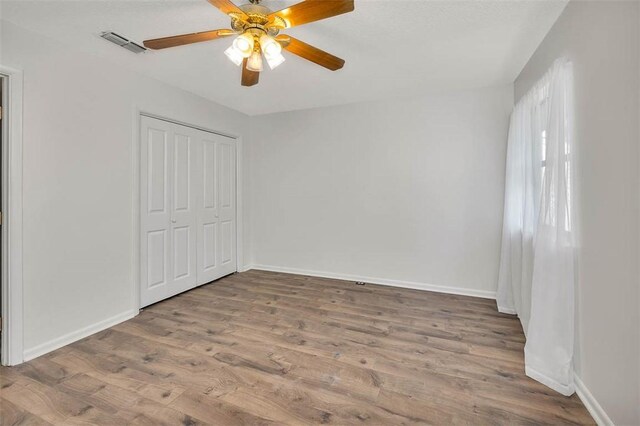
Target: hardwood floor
261	348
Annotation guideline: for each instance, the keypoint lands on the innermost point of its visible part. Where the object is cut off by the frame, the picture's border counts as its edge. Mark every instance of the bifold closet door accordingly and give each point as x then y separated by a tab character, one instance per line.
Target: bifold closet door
168	210
217	208
188	208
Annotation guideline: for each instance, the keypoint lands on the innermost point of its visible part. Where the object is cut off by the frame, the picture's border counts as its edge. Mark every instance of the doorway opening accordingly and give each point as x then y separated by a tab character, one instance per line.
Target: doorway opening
11	306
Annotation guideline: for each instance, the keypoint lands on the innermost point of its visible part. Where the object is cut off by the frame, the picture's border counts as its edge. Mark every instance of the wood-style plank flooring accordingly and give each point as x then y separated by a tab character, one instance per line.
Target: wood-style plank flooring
266	348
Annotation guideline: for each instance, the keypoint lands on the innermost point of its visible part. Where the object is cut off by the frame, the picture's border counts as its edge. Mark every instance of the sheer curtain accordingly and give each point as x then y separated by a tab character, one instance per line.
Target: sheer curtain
536	278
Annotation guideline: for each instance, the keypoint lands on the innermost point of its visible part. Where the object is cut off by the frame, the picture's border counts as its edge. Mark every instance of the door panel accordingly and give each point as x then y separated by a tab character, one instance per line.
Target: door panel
227	202
227	245
157	146
182	164
208	244
209	237
210	181
225	175
183	213
217	257
155	268
181	264
156	244
188	208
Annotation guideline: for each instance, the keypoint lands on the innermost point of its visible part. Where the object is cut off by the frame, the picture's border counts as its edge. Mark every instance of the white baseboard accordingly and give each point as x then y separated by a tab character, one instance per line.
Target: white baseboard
590	402
77	335
382	281
504	310
244	268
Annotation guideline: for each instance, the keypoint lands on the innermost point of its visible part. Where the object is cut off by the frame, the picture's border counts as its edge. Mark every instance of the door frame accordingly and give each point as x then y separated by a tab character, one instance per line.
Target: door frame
11	229
138	114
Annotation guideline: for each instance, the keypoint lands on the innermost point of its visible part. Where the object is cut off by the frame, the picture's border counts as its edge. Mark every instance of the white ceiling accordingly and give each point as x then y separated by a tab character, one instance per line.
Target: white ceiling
392	48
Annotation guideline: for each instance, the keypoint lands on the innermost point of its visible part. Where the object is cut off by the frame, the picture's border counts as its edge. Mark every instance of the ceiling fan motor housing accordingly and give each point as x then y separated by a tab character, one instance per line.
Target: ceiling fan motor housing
257	20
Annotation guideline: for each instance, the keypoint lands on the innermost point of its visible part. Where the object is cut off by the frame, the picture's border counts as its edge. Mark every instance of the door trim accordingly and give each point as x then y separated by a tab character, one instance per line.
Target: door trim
11	229
138	113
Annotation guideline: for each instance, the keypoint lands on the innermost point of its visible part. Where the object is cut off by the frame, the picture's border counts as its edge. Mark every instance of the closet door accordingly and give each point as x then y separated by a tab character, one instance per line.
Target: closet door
183	210
217	208
168	240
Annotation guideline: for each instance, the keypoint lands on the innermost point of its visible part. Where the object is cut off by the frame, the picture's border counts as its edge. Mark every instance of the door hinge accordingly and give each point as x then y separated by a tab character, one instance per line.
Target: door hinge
1	218
0	113
0	324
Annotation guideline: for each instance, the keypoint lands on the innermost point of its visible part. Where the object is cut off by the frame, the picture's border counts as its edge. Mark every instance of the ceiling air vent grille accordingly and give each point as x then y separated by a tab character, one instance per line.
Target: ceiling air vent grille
122	42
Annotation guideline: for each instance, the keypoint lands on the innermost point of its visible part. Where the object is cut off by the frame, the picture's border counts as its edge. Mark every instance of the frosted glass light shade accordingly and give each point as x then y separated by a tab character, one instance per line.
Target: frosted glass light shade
274	61
244	44
234	55
270	47
255	62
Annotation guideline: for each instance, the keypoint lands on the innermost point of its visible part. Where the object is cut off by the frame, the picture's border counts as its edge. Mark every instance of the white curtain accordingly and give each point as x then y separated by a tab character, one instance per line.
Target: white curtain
536	278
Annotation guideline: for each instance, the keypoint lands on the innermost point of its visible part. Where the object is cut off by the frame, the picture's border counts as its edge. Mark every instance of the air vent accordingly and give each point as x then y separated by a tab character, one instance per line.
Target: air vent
122	42
134	47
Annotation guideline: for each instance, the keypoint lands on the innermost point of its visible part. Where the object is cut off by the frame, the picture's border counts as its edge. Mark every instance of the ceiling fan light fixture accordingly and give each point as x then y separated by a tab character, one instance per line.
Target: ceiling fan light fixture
255	32
244	44
275	61
270	47
255	61
234	55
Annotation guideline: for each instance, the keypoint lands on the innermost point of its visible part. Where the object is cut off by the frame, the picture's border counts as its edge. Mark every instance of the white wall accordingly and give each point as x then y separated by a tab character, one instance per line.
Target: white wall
404	190
602	40
78	176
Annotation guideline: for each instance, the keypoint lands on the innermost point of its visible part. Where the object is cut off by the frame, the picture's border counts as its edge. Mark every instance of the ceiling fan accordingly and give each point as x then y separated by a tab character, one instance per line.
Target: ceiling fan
257	29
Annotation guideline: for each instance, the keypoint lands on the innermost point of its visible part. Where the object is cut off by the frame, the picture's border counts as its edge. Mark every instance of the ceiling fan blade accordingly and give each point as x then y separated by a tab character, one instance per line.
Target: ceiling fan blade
179	40
310	53
310	11
227	7
249	78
